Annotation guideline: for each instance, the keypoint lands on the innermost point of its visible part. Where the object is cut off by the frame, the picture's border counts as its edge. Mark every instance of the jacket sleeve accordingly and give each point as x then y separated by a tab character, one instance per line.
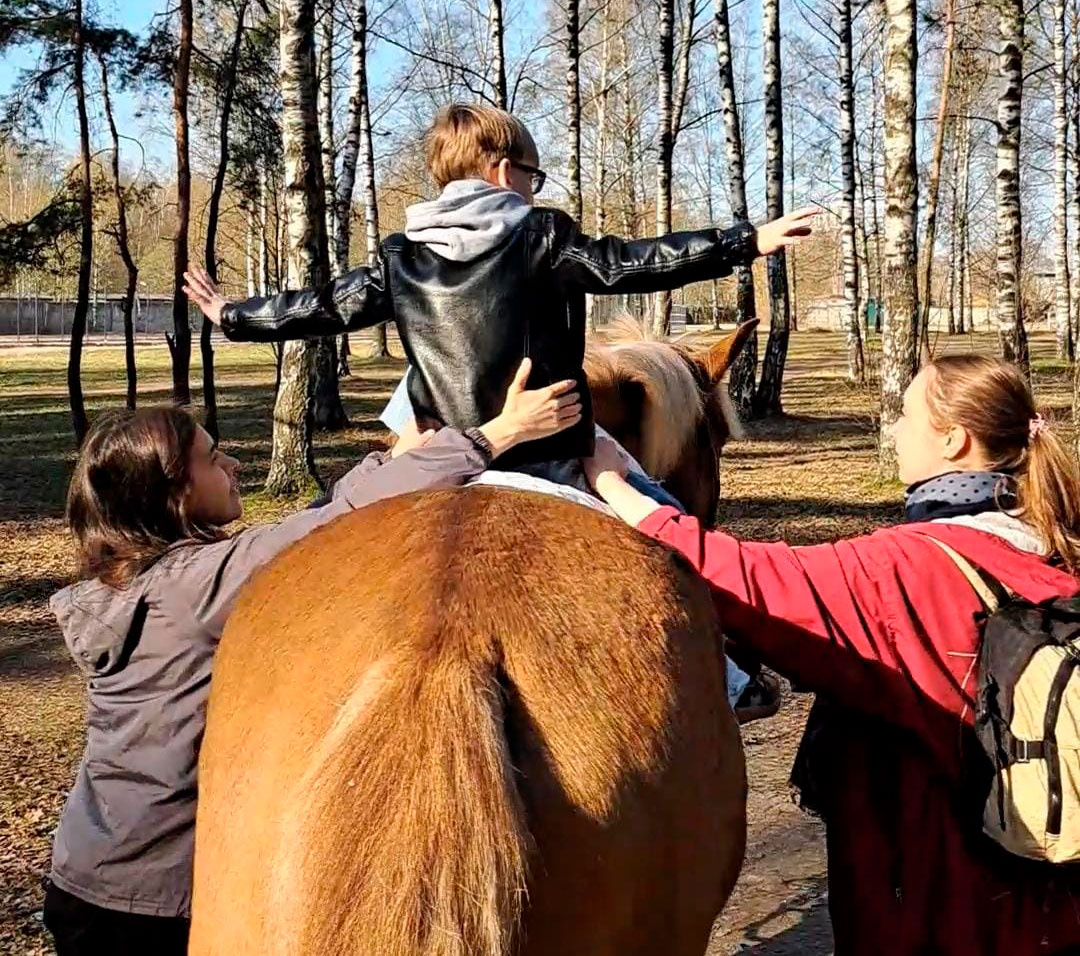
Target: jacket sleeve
356	300
211	577
838	618
610	265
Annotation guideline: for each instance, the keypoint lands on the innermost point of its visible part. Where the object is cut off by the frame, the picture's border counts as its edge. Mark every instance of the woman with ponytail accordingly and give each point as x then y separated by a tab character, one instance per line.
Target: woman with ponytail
887	629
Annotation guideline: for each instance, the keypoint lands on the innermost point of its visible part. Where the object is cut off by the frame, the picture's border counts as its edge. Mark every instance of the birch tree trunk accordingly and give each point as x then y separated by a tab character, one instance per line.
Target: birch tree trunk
879	250
934	178
1009	237
966	318
573	100
264	235
767	397
180	343
662	318
498	58
901	201
744	370
954	230
327	137
856	358
79	422
122	243
1062	317
292	464
1074	113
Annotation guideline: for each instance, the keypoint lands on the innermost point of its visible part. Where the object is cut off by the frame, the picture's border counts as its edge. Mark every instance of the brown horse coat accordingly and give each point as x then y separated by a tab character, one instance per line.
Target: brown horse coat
469	723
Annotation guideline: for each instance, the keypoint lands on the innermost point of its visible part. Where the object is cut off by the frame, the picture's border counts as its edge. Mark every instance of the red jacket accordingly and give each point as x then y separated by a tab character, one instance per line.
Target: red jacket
887	626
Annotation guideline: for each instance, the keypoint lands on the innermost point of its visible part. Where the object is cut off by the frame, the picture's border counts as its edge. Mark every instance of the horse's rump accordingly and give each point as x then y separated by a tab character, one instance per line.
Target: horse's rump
468	723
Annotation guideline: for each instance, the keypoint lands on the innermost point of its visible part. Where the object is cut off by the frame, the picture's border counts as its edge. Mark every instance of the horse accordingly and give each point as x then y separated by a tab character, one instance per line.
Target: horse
667	404
476	722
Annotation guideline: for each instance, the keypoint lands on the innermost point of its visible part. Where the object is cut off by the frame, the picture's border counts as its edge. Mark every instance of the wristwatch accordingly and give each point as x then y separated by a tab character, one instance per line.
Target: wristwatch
481	443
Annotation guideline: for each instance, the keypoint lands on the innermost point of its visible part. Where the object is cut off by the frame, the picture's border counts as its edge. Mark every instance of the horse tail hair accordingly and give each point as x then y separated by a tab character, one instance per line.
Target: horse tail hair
409	836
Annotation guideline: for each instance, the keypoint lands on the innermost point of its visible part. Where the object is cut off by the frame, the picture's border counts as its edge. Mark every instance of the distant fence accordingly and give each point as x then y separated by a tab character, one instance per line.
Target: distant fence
30	317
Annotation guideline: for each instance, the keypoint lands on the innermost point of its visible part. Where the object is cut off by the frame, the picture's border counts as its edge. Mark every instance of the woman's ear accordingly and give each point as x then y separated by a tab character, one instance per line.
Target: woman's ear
957	443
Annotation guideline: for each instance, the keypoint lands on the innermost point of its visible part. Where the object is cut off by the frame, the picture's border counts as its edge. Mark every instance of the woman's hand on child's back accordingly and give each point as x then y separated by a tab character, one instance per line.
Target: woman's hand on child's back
202	291
529	414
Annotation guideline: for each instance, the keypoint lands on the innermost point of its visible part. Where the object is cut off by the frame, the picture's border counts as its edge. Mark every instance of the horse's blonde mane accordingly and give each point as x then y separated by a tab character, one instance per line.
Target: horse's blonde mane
674	404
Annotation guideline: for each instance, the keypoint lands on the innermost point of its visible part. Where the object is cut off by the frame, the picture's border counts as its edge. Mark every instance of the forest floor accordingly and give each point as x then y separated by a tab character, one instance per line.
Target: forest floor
806	477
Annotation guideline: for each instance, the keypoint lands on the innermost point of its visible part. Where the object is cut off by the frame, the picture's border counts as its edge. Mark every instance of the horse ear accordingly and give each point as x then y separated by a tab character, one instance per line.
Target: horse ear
719	358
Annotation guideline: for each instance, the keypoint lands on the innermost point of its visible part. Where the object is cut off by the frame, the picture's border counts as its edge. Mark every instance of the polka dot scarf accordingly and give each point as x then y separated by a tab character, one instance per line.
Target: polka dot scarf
960	493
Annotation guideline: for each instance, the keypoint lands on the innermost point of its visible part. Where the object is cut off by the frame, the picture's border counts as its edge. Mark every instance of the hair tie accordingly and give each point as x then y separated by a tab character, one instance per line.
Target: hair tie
1037	426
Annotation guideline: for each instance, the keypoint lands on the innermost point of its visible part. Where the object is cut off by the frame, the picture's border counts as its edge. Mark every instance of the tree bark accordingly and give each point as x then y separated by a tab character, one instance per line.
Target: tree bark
744	370
856	358
879	251
1009	236
292	464
661	325
1062	317
327	137
498	61
767	397
901	201
1074	114
128	305
180	344
227	95
966	321
573	101
79	422
934	178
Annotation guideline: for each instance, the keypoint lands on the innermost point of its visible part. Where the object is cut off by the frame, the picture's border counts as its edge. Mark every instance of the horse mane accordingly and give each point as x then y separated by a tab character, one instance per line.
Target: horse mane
675	384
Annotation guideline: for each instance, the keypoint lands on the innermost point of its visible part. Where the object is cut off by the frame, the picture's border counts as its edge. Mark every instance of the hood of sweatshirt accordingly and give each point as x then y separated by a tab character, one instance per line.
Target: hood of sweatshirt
469	219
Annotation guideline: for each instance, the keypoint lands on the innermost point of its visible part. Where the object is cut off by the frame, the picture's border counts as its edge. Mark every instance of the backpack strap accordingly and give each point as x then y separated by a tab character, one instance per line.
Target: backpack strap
992	595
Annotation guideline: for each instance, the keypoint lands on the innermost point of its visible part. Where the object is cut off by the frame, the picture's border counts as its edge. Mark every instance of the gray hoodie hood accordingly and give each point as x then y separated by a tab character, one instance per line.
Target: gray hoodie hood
98	621
470	218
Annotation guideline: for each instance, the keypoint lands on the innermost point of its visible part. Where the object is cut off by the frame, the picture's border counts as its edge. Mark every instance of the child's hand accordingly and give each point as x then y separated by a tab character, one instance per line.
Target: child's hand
785	231
529	414
411	438
202	292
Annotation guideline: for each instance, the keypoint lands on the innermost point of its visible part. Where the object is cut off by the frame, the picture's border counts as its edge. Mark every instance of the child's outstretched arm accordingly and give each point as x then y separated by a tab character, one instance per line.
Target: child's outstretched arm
610	265
355	300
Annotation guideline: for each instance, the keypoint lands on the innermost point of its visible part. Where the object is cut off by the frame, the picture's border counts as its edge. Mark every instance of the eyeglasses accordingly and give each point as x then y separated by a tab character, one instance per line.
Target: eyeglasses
537	177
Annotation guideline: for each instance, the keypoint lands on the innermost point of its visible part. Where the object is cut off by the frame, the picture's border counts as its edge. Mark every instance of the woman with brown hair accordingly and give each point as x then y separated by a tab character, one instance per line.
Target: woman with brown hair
148	504
888	628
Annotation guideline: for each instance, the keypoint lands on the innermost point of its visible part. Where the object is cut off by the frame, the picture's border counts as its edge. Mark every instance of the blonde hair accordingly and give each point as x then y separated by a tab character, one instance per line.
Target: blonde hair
465	141
992	401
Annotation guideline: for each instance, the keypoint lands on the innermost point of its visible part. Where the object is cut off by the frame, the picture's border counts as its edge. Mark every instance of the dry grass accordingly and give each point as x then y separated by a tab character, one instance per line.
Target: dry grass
807	477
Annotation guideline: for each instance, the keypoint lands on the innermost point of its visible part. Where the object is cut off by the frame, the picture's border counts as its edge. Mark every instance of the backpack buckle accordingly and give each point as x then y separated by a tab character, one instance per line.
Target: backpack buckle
1021	752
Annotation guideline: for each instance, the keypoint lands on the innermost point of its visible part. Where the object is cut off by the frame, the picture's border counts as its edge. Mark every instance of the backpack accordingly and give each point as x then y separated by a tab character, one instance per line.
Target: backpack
1027	719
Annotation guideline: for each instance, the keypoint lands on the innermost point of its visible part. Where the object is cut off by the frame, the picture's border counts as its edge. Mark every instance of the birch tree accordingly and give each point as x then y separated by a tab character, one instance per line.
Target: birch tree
573	102
498	57
901	201
856	358
767	396
1062	317
744	370
662	316
292	465
1007	194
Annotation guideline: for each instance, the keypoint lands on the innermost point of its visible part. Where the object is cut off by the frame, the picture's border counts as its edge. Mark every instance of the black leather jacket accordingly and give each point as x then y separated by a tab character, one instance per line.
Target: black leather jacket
465	326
